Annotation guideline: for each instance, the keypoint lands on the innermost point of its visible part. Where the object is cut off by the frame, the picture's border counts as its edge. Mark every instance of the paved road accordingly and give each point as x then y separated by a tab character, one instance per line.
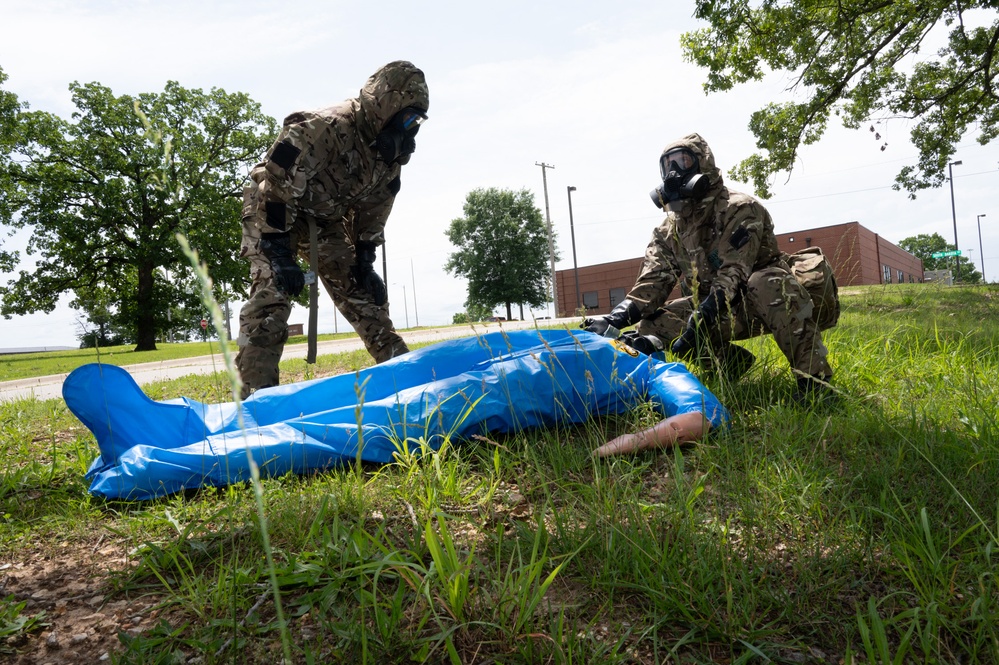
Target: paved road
49	387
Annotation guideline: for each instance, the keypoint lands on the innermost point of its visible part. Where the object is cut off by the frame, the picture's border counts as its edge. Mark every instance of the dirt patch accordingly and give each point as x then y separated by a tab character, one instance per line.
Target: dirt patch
82	618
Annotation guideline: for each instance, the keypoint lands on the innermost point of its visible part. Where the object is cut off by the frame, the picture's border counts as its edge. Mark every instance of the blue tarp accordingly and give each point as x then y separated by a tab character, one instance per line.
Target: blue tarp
500	382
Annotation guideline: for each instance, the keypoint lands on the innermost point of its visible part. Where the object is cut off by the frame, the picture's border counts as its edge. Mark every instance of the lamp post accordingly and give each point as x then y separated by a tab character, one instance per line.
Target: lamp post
980	252
953	212
572	233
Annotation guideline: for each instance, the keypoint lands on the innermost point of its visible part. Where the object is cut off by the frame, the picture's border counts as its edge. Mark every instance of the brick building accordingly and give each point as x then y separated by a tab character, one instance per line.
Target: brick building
857	254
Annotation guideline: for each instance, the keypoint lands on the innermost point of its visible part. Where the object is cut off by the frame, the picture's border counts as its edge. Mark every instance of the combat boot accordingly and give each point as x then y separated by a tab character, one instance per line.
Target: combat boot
814	390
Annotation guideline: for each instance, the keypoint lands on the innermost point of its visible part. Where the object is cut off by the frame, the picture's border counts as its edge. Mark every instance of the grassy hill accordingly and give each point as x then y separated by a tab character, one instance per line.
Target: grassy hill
863	532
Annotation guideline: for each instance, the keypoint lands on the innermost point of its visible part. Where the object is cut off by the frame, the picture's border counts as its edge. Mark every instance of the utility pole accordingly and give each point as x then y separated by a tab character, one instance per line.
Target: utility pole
981	253
405	304
953	212
412	274
551	239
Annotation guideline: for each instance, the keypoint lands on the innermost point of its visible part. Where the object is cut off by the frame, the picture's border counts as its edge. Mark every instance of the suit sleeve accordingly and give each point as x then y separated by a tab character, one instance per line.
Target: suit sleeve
660	271
747	225
302	147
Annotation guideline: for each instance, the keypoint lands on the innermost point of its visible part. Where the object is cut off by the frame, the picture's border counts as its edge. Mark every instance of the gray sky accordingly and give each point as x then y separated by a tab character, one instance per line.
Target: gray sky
595	89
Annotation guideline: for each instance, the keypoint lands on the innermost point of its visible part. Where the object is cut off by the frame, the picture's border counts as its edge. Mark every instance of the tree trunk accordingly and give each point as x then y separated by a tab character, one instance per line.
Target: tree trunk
509	314
521	311
145	321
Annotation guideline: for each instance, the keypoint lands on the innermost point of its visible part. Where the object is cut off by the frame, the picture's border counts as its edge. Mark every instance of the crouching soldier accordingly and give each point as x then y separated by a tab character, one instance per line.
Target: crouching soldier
722	244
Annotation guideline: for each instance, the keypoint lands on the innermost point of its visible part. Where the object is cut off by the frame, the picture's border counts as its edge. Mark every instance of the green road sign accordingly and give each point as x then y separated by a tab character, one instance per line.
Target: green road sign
940	255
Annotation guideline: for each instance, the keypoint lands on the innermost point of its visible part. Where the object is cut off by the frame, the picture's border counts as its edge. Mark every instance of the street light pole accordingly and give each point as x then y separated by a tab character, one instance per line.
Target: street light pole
572	232
953	212
980	252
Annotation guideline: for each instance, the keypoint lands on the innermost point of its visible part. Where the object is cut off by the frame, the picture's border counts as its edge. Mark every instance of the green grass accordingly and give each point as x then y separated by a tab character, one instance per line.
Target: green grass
865	532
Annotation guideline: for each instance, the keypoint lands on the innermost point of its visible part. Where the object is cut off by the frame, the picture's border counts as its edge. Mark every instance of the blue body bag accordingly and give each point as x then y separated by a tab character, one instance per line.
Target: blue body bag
499	382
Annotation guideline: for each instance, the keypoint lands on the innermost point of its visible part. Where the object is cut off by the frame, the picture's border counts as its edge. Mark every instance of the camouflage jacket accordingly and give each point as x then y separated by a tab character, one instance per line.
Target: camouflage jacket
716	243
323	164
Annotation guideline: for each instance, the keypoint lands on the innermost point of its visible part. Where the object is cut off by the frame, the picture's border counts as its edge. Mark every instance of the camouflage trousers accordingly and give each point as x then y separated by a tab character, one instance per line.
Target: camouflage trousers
263	320
774	303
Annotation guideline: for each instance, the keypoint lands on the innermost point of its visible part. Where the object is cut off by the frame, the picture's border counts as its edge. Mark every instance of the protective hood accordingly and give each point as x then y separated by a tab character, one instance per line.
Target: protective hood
395	86
698	208
705	157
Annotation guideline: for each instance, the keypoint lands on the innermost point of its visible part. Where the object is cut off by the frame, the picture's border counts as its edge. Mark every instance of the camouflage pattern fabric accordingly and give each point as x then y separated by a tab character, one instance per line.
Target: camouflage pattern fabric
322	167
726	241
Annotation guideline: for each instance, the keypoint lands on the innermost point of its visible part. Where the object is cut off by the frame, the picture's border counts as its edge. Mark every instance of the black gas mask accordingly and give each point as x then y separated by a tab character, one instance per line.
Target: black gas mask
682	179
397	140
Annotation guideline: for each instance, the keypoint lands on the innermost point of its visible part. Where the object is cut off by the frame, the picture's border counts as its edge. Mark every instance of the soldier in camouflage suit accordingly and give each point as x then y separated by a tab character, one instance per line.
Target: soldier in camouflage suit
722	244
339	168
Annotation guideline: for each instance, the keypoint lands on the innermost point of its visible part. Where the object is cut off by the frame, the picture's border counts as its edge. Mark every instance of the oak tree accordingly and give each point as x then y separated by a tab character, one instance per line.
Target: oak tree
866	62
9	109
105	193
925	245
502	251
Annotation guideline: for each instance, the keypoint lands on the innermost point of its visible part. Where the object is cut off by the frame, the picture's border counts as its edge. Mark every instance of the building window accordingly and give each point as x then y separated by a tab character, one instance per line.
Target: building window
616	296
591	300
901	277
886	272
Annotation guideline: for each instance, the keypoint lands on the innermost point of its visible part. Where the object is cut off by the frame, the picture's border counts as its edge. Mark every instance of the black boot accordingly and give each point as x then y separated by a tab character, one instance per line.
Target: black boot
736	362
813	391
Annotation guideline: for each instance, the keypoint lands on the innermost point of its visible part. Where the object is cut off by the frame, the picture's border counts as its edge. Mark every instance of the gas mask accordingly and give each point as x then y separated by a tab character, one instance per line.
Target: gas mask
682	179
397	140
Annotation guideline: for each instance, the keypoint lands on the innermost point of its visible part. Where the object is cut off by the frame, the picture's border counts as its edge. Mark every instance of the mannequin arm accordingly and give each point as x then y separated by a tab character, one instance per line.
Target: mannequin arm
677	429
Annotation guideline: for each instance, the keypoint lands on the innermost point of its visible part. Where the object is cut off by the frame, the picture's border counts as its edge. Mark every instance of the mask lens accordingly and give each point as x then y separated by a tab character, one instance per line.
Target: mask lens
681	160
412	118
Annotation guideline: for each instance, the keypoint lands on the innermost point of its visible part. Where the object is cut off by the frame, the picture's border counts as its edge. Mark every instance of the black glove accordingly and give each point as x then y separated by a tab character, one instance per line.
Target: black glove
686	345
647	344
708	311
623	315
363	275
288	276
